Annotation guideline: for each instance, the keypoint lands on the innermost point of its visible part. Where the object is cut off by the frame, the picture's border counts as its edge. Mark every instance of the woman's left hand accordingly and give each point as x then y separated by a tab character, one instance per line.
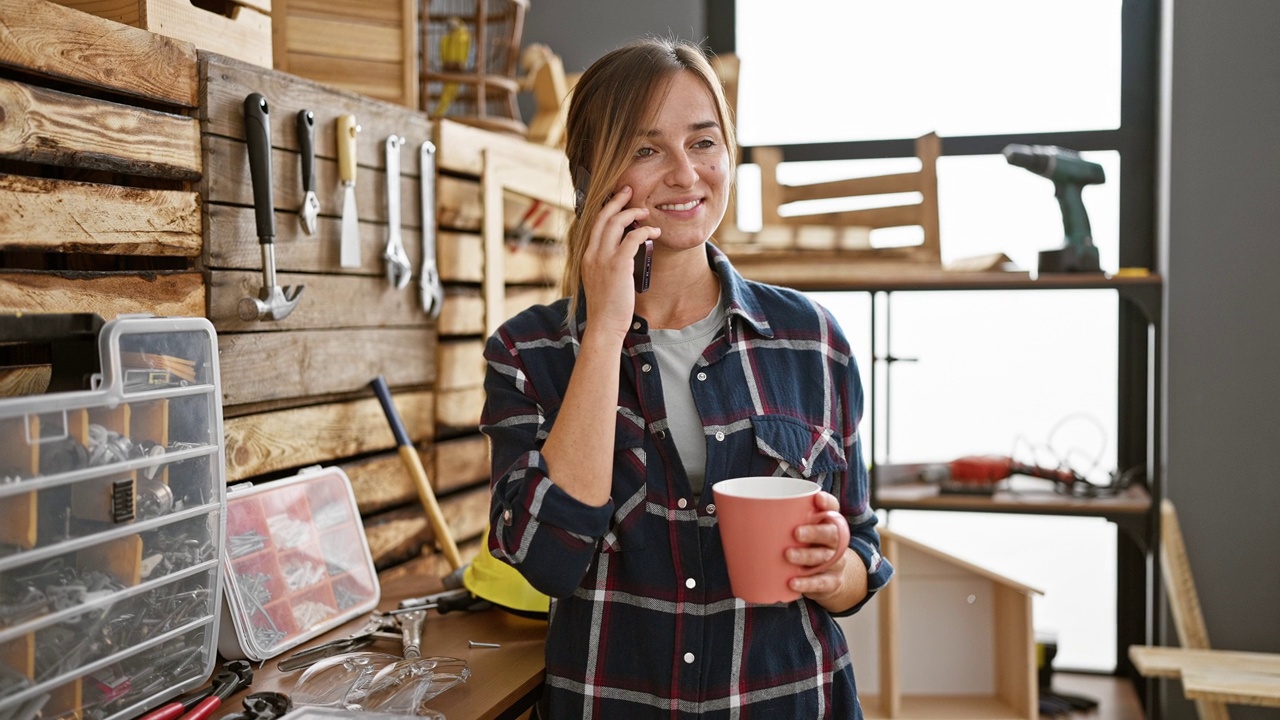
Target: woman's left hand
823	541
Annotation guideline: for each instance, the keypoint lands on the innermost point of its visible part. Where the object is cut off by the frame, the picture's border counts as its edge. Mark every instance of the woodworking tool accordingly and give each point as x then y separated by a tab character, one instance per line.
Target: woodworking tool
347	130
399	271
412	462
273	302
307	149
429	278
1069	173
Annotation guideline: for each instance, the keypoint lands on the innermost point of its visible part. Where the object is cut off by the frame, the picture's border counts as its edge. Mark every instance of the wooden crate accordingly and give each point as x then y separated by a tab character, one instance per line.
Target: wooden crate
368	48
242	31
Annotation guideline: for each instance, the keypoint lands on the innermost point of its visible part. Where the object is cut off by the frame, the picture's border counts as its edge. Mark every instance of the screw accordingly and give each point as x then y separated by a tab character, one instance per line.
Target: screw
474	644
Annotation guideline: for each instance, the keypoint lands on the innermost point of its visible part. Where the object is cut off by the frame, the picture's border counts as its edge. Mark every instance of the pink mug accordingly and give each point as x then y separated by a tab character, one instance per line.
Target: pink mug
758	517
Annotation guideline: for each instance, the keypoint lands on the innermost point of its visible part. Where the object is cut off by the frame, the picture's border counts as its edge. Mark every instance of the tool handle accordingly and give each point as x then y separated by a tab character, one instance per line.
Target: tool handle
411	633
393	184
413	463
204	709
347	129
257	130
166	712
307	146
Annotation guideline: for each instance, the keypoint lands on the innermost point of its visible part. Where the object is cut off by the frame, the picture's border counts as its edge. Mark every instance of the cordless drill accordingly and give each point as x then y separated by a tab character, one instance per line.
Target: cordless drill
1069	173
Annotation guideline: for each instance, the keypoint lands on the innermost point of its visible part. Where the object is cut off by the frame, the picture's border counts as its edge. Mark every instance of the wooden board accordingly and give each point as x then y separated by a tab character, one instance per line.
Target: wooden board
398	535
461	148
20	380
459	409
107	294
233	243
66	216
381	482
58	128
461	364
244	33
271	365
57	42
328	301
295	438
461	462
1170	662
1233	688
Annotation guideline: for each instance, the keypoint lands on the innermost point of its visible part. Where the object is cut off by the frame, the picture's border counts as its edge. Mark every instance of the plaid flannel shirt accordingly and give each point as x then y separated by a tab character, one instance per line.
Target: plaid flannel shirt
642	621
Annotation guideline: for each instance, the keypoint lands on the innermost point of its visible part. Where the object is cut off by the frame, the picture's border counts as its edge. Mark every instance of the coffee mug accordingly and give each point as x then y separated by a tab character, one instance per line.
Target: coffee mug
758	517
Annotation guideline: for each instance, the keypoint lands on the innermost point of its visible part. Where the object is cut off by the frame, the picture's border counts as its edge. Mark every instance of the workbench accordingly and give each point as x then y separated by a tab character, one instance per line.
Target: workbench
504	683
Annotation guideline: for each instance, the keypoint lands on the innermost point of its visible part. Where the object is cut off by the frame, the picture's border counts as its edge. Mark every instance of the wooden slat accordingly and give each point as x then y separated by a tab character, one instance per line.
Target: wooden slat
382	482
380	80
227	181
461	461
521	298
1239	688
20	380
535	263
57	128
459	409
233	243
65	216
881	217
878	185
229	82
269	366
379	11
299	437
462	312
107	294
328	301
461	364
1169	662
400	534
58	42
459	257
343	37
245	34
461	147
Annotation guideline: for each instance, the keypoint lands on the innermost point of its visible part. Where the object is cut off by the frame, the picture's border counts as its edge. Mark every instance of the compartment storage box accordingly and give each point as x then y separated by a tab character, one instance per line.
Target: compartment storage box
111	522
297	563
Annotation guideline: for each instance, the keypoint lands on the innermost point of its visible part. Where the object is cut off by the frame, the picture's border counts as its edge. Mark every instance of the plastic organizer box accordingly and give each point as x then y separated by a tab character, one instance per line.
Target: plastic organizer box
297	563
112	508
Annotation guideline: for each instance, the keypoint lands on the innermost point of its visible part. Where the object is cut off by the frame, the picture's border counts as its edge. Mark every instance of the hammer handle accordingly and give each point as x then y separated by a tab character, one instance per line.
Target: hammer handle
413	463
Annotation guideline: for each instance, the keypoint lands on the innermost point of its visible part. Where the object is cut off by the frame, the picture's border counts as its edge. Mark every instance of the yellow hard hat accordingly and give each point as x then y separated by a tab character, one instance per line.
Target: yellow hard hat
489	578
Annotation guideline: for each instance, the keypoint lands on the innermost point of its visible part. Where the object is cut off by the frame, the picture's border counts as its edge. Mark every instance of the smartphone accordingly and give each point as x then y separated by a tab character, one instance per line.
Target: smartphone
644	254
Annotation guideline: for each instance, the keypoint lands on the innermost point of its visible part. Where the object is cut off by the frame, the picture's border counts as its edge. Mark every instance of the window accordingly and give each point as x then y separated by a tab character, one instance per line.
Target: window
841	85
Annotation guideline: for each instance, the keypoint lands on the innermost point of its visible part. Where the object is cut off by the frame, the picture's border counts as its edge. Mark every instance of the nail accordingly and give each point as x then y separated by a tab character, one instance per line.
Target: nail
474	644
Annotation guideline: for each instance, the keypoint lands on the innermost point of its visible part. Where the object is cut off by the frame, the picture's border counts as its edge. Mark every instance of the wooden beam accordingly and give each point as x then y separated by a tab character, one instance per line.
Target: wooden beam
461	148
21	380
107	294
881	217
461	462
272	365
57	42
58	128
460	409
299	437
65	216
400	534
461	364
329	301
877	185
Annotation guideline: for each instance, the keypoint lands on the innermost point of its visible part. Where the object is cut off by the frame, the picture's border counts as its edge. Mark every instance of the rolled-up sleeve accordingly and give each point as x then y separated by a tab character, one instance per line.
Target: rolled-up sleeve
536	527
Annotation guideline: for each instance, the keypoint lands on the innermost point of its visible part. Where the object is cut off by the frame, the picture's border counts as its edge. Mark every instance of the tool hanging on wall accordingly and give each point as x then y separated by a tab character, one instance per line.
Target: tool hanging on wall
347	167
1069	173
310	208
399	271
273	302
429	277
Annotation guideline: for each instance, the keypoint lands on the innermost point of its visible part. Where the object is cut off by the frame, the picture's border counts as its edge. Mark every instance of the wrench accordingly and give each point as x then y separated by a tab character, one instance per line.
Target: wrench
429	279
399	271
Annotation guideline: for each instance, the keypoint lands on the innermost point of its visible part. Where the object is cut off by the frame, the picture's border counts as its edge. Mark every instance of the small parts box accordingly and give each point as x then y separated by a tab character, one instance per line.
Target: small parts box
297	563
112	509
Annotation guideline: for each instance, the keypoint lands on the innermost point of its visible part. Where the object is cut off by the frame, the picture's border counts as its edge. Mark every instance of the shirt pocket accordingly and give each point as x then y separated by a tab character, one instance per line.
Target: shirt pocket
630	491
798	449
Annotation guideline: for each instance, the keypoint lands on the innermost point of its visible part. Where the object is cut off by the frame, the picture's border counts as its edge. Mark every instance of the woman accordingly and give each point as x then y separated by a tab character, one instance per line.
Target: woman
612	412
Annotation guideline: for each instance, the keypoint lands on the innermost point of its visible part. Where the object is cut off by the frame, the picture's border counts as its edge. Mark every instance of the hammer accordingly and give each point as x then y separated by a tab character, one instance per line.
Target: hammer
273	302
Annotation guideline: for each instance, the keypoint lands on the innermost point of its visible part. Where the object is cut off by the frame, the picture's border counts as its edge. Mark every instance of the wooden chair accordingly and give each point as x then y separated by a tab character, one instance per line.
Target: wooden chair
1212	678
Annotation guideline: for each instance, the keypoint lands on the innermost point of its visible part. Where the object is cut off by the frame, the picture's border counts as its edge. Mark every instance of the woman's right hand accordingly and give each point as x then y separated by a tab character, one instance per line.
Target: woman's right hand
607	264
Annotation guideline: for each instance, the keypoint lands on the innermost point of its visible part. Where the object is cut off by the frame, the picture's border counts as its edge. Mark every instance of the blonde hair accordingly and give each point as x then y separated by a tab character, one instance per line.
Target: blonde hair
615	99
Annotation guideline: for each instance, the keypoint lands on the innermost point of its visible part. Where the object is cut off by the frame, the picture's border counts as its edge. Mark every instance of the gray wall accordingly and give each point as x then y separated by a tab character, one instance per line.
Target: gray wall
1220	255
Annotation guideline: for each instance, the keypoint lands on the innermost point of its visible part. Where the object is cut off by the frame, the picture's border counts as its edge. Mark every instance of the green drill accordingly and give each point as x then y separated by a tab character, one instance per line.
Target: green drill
1069	173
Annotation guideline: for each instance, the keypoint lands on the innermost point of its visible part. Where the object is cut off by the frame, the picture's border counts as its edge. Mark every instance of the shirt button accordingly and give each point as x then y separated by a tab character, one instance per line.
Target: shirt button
682	503
804	462
711	508
702	376
506	516
688	658
691	583
662	434
646	367
635	326
719	436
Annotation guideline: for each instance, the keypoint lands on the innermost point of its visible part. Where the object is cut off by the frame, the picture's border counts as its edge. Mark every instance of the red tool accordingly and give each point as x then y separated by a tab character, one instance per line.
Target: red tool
981	473
233	677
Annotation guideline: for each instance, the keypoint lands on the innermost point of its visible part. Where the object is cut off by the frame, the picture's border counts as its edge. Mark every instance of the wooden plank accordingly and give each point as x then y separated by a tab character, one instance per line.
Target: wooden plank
461	147
57	128
329	301
459	257
878	185
335	35
1170	662
461	461
381	482
819	270
881	217
534	263
400	534
65	216
272	365
459	409
107	294
1233	688
47	39
381	80
462	312
232	242
461	364
299	437
522	298
458	207
245	34
228	82
20	380
227	181
379	11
